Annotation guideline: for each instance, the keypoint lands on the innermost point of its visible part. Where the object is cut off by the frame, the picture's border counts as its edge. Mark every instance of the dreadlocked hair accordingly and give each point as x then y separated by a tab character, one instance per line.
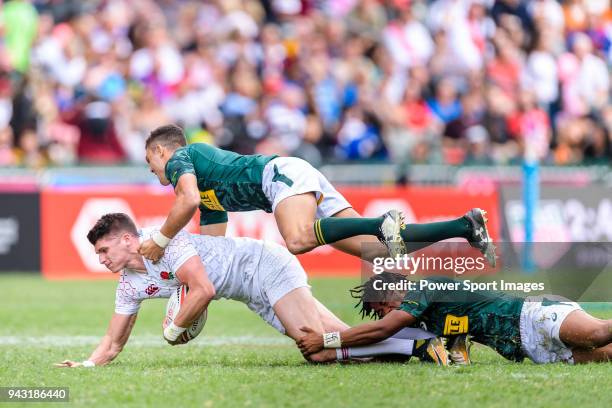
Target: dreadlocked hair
366	293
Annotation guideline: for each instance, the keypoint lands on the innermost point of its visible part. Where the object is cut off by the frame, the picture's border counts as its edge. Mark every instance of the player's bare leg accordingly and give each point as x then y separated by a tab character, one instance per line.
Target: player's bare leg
581	330
297	309
323	356
598	355
295	217
330	321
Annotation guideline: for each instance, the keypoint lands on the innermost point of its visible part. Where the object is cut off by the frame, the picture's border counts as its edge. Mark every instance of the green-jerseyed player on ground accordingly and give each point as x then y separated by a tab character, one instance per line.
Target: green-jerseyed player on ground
309	211
545	329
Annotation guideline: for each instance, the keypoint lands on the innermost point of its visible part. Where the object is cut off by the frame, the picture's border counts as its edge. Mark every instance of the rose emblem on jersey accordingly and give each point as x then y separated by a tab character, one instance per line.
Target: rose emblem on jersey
166	275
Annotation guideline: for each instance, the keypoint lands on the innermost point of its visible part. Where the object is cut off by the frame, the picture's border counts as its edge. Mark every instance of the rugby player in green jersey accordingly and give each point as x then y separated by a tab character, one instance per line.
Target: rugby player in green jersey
545	329
309	211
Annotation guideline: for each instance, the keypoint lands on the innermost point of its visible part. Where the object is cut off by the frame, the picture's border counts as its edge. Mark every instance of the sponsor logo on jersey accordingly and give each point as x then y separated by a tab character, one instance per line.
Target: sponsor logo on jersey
151	290
209	200
455	325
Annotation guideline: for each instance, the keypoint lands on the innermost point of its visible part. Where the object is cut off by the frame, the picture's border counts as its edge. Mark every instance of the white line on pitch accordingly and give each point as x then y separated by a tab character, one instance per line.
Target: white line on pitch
141	340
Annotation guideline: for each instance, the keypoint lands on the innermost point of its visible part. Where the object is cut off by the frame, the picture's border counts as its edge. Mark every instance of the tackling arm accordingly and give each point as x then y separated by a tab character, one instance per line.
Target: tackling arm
376	331
364	334
185	205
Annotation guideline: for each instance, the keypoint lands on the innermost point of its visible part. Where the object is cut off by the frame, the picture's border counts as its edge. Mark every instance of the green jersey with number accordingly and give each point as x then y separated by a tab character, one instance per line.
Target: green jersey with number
227	181
492	318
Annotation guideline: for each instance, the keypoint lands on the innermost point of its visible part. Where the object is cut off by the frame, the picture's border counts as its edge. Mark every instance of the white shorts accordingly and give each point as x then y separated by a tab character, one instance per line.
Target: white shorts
541	319
299	178
278	273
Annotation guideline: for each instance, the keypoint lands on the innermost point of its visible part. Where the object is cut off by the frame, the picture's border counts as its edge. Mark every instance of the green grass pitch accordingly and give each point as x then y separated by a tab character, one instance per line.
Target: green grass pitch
240	361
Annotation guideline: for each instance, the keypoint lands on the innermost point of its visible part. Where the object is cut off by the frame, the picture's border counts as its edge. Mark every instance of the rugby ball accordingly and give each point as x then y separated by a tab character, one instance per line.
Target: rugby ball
172	310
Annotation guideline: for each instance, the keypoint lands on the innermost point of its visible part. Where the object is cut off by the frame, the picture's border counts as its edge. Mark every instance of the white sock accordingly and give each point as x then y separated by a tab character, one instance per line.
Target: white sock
388	346
400	343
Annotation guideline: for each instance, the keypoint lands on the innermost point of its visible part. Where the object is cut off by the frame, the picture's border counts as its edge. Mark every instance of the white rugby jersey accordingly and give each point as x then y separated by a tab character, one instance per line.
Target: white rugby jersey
230	263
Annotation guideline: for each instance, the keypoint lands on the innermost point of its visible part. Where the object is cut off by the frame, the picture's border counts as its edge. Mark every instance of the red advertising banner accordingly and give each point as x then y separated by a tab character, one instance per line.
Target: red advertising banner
68	214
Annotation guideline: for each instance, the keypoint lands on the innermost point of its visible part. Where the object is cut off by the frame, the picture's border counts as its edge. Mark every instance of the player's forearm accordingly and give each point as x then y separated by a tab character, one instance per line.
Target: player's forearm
181	213
365	334
115	338
374	332
196	302
105	352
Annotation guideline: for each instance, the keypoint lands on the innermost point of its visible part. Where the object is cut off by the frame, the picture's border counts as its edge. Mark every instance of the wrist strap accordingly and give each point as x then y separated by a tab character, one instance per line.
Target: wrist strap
332	340
88	364
160	239
172	332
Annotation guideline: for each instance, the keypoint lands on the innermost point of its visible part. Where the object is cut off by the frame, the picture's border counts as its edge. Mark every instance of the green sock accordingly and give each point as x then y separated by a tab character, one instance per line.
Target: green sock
419	236
333	229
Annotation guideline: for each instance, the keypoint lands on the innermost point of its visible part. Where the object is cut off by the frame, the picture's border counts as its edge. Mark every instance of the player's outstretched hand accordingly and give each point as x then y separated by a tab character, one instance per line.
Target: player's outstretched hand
311	342
150	250
68	364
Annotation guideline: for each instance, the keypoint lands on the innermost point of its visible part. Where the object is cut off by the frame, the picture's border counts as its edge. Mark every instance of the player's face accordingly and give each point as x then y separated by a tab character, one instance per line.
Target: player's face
383	308
113	252
156	158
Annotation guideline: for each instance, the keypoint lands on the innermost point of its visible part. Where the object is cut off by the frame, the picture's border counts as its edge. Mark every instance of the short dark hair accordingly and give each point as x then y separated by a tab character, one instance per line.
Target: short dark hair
111	223
168	136
367	293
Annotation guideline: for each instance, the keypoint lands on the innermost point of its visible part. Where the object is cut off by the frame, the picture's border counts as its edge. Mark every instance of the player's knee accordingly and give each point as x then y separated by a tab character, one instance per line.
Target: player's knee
301	241
296	247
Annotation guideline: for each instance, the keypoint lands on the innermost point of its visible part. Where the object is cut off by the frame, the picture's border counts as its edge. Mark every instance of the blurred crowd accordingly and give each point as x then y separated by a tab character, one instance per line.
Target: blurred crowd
405	81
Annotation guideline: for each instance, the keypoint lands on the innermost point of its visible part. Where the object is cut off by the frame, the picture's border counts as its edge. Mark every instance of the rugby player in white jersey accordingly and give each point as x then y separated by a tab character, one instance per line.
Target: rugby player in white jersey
263	275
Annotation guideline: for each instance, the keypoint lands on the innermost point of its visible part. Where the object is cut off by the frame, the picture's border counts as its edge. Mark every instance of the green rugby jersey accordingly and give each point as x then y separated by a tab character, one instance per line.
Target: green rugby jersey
227	181
492	318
